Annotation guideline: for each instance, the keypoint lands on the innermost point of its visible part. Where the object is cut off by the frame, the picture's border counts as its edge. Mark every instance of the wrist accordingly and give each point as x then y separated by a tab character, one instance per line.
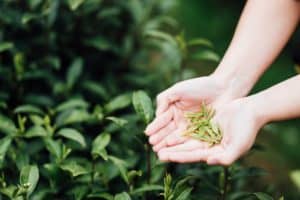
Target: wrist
256	104
234	85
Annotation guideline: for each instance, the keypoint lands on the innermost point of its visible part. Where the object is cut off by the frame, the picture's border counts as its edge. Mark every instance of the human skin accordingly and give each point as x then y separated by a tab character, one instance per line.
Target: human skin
240	122
256	43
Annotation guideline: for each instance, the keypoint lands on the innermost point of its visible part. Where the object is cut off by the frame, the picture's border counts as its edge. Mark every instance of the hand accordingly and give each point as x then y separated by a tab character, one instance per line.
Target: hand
239	124
167	127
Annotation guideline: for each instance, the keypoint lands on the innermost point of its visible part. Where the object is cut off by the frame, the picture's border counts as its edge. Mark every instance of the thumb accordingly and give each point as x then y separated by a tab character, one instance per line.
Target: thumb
166	98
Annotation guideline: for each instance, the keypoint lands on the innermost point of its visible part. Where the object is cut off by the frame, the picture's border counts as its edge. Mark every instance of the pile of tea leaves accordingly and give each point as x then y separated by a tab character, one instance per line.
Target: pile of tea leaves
201	126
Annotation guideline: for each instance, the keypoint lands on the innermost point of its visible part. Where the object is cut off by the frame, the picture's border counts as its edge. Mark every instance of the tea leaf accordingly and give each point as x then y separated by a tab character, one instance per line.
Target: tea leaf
200	42
72	103
29	176
120	122
72	134
4	46
4	146
74	72
105	196
185	195
74	4
99	43
205	55
99	145
118	103
36	131
74	169
122	196
143	105
147	188
295	177
28	109
71	117
122	166
262	196
7	126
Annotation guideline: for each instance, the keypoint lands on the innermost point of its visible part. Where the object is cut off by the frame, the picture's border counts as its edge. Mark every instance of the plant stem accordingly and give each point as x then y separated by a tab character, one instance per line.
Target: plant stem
225	183
93	173
148	163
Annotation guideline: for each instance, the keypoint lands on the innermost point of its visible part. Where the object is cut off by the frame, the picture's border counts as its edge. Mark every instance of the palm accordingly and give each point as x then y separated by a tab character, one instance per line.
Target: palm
186	96
238	137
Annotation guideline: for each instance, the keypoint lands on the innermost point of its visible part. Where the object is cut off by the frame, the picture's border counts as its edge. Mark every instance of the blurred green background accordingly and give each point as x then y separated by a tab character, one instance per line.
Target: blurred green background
216	20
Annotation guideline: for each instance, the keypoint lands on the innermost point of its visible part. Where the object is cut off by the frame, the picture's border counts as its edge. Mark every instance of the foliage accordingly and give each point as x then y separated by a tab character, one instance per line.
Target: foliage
70	71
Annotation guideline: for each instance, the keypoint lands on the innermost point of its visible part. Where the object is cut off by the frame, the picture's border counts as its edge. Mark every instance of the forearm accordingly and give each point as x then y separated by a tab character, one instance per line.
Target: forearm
263	30
279	102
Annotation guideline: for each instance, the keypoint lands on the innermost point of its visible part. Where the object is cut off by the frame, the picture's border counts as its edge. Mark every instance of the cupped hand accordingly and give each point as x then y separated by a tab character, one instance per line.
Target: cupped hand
239	124
186	96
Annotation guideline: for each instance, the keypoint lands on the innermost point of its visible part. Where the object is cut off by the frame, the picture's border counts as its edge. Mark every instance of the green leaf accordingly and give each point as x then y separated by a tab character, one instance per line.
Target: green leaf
29	176
36	119
96	89
74	72
119	121
27	17
122	166
99	144
99	43
7	126
105	196
74	4
117	103
72	103
74	169
262	196
36	131
79	192
161	35
71	117
54	147
3	105
295	177
205	55
4	46
143	105
4	146
9	191
200	42
28	109
122	196
72	134
147	188
185	194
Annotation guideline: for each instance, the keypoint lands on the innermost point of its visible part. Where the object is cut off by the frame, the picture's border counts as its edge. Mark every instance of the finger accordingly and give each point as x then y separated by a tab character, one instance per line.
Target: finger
189	145
174	138
162	133
164	99
159	122
196	155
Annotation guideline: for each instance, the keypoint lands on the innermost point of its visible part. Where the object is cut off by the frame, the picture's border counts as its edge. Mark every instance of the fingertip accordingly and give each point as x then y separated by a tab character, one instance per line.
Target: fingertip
163	156
212	161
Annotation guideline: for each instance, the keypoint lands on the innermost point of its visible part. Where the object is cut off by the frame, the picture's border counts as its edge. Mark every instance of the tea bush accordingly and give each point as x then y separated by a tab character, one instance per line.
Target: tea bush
74	82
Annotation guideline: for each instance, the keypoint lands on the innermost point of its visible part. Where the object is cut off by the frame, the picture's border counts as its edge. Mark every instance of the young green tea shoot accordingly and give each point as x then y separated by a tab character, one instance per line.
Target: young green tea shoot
201	127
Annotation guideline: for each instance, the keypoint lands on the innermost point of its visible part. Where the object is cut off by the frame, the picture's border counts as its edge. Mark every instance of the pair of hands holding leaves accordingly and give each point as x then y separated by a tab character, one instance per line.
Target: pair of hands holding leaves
238	122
